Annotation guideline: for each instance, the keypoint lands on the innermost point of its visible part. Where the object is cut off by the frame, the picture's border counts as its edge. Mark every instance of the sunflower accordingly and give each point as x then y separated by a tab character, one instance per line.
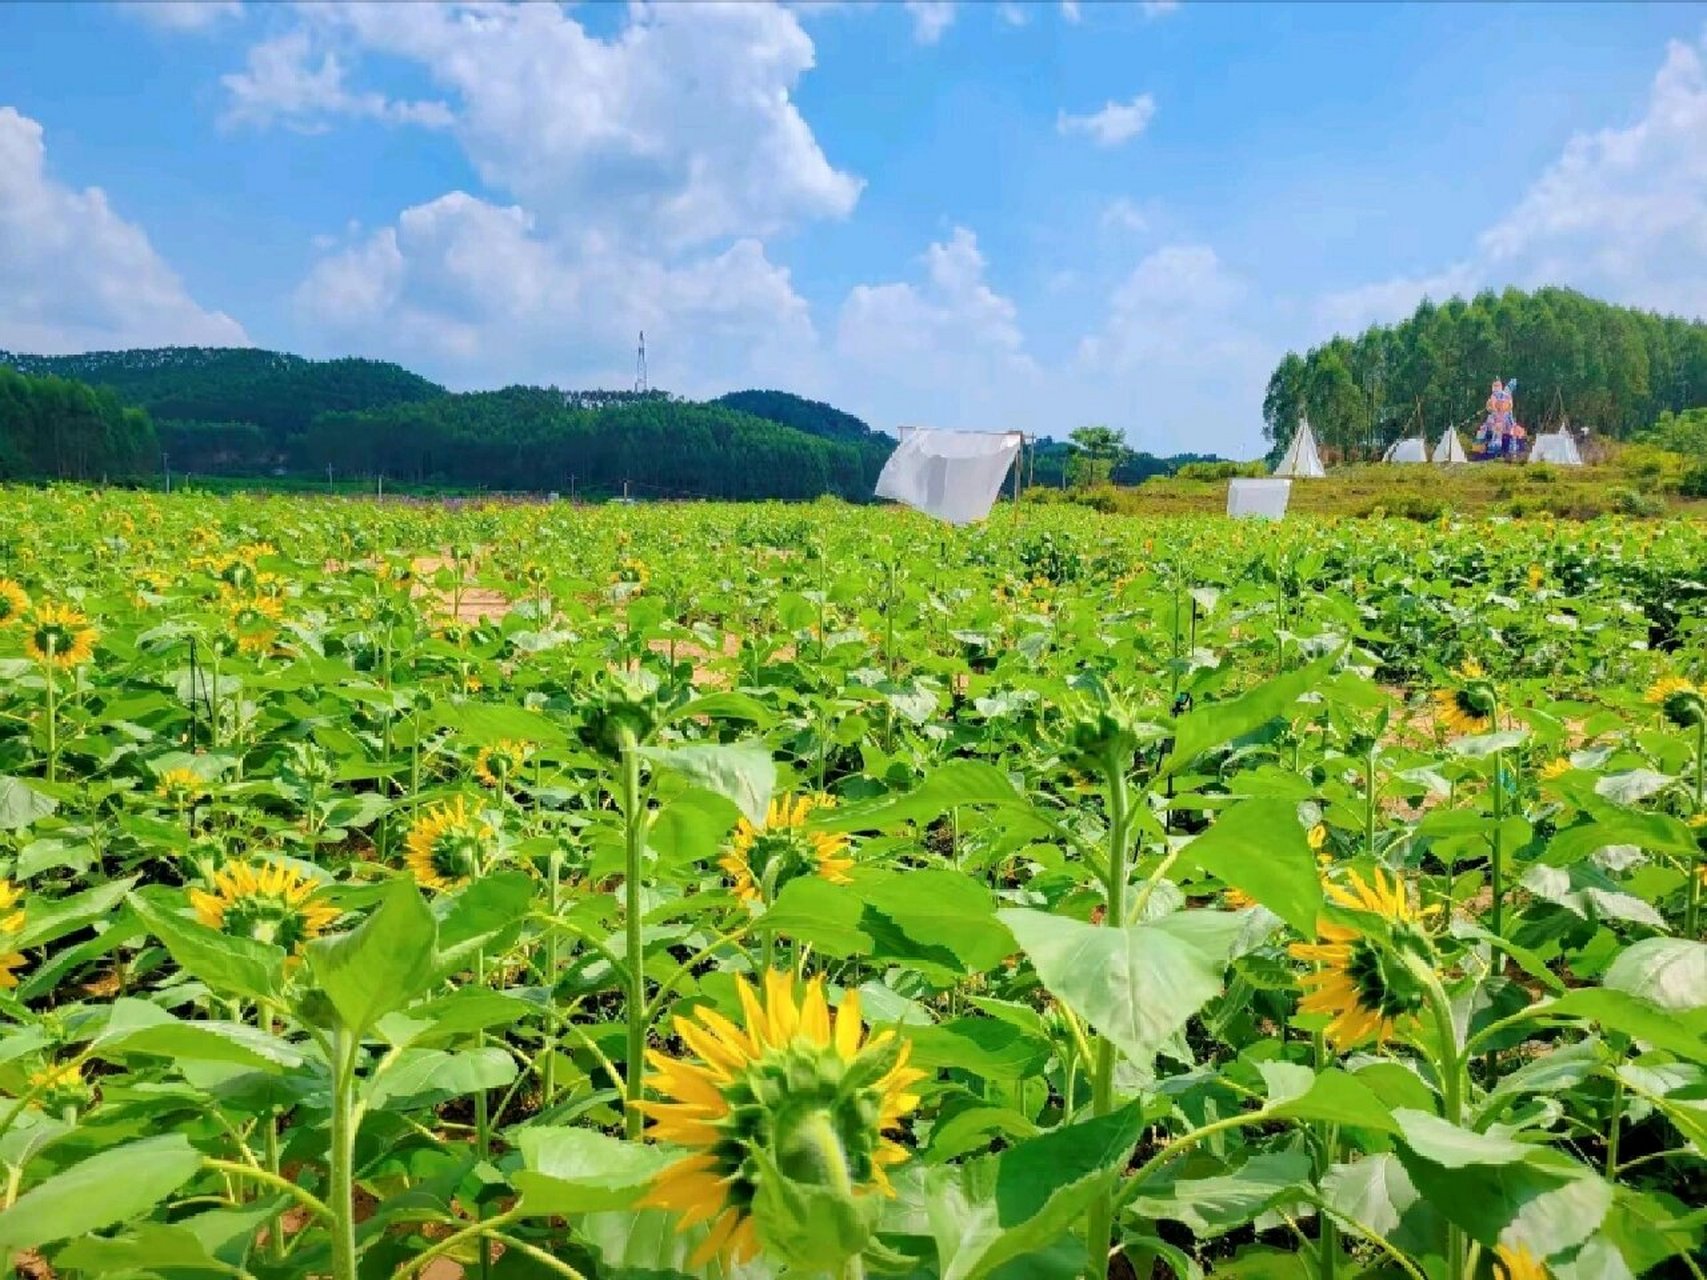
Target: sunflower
266	902
252	621
792	1090
760	860
1683	701
1557	767
59	636
497	763
1537	576
632	571
1364	986
1469	707
1515	1262
11	925
1317	837
14	602
180	788
447	845
59	1085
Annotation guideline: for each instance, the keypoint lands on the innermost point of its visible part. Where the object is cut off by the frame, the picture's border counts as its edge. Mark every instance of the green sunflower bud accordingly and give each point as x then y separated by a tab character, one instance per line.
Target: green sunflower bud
622	713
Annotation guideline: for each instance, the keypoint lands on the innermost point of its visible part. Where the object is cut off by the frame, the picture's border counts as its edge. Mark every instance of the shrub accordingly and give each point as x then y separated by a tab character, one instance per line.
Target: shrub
1633	502
1694	482
1541	473
1221	470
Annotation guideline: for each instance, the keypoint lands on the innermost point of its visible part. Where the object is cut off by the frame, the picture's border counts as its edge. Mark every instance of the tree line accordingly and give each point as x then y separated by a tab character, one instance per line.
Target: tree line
1578	361
57	429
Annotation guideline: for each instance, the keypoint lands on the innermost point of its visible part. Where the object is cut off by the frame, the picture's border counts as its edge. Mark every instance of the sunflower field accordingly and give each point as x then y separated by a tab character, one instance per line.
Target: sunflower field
526	891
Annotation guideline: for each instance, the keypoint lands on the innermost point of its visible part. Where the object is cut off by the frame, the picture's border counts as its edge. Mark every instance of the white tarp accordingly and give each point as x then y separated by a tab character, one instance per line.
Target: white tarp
1410	449
1449	449
953	475
1301	460
1263	499
1556	447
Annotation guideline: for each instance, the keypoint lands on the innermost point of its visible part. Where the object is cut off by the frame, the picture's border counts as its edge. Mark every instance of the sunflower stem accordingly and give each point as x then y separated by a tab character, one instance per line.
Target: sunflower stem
636	956
345	1046
1100	1221
1451	1069
52	715
1692	903
1496	958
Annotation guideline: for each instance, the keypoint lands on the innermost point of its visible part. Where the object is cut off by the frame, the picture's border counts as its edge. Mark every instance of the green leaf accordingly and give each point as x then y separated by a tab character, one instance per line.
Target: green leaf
1259	847
1337	1098
204	1042
109	1187
1137	985
426	1077
990	1211
812	910
1546	1199
738	771
380	964
1668	972
1216	723
1451	1147
582	1170
213	1241
1656	832
959	782
939	907
1217	1204
691	827
1681	1032
21	804
47	920
228	965
985	1047
1377	1192
483	723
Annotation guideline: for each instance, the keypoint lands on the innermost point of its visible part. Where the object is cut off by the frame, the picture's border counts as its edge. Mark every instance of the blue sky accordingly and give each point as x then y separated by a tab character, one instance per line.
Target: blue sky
979	215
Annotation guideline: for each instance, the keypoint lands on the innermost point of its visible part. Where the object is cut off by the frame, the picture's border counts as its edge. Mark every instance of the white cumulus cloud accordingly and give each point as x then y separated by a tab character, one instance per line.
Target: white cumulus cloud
931	18
1116	123
287	80
74	275
181	15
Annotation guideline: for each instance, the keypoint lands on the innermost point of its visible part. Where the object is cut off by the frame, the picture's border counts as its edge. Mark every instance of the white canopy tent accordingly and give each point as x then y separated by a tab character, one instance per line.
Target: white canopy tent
953	475
1449	449
1301	460
1409	449
1557	447
1262	499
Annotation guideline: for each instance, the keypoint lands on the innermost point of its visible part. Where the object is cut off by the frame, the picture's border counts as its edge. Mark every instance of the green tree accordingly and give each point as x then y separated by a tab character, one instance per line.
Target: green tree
1097	451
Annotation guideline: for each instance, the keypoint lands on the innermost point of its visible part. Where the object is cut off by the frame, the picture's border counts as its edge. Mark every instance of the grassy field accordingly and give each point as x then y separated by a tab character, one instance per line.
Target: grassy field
791	890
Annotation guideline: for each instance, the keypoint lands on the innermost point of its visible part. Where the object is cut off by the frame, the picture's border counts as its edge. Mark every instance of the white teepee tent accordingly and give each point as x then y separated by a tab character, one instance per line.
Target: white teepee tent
1406	449
1449	449
1301	460
1557	447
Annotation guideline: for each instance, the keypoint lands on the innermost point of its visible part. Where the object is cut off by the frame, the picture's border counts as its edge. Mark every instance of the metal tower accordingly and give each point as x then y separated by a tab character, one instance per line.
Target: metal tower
640	365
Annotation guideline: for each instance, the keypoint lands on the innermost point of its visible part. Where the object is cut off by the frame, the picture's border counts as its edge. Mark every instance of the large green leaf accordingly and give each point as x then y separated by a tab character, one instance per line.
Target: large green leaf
1258	846
1216	1204
380	964
940	907
229	965
214	1241
1216	723
1137	985
813	910
991	1211
740	772
982	1046
1683	1032
21	804
109	1187
484	723
1297	1093
1546	1198
958	782
574	1170
1668	972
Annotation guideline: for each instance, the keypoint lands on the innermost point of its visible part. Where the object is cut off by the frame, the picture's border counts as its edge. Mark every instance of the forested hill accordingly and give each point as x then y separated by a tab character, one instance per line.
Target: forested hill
1607	368
811	416
277	392
249	412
